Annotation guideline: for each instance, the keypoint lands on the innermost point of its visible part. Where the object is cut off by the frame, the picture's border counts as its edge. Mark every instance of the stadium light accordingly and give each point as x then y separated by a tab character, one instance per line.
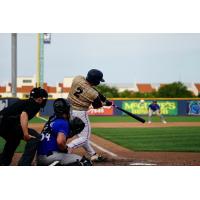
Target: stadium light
47	38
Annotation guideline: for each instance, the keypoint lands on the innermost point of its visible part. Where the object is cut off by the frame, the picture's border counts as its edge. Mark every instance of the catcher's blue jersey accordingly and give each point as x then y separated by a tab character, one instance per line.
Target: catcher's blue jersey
49	141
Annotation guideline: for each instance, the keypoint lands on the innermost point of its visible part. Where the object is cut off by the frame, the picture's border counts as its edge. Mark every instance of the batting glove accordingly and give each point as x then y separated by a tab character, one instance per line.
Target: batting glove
108	103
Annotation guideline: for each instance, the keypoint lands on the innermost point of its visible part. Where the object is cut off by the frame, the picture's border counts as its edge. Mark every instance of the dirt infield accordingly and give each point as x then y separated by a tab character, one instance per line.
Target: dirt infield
119	156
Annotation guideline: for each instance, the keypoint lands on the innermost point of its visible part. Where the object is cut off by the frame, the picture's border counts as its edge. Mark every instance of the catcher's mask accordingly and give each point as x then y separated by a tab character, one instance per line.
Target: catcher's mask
61	106
37	93
95	76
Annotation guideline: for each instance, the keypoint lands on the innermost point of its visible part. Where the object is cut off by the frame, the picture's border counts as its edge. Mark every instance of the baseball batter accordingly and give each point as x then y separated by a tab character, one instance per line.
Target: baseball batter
155	108
81	96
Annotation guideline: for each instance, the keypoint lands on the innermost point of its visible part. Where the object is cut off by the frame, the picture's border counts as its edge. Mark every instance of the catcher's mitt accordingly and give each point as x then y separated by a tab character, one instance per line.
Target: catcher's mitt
76	125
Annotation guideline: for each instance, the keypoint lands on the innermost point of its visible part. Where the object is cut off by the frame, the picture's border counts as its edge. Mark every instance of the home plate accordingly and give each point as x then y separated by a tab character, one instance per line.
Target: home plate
142	164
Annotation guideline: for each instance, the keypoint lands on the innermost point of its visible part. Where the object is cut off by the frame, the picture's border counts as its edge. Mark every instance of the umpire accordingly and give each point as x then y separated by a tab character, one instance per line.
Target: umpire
14	126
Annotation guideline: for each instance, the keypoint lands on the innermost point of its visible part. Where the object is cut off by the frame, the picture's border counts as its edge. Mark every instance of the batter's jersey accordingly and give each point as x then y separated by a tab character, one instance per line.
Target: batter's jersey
82	94
154	107
49	141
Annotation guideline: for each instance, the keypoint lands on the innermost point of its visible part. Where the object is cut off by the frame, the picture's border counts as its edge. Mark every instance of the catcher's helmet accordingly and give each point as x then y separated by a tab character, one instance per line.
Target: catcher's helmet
94	76
61	106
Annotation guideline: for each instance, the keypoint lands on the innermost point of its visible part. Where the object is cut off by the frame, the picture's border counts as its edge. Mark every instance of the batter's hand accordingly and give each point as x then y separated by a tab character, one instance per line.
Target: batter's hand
108	103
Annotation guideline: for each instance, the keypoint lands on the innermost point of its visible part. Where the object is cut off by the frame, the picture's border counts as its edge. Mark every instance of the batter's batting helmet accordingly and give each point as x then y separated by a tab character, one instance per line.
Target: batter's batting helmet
94	76
61	106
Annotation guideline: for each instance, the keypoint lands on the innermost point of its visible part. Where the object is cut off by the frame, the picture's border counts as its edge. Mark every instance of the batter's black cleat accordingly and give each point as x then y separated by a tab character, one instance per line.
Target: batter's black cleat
85	162
97	158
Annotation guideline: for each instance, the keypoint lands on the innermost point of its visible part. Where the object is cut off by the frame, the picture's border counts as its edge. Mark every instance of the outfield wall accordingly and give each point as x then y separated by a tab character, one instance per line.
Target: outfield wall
170	107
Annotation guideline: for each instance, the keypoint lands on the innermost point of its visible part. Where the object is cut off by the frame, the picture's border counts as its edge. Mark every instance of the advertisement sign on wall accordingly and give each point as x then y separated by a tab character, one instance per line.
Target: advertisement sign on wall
194	108
106	110
136	107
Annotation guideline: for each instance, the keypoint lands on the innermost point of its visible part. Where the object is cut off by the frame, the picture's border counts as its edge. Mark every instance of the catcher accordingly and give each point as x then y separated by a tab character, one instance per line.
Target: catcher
52	149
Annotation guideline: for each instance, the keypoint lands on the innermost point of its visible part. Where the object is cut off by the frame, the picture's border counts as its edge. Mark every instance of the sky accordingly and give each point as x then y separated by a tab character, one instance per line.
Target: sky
122	57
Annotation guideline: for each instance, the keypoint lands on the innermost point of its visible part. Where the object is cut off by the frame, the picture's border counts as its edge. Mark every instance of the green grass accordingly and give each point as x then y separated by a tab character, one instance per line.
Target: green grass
139	139
37	120
129	119
154	119
174	139
183	139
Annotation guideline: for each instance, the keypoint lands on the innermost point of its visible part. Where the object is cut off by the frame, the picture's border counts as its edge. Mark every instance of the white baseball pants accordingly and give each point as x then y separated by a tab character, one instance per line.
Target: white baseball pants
83	139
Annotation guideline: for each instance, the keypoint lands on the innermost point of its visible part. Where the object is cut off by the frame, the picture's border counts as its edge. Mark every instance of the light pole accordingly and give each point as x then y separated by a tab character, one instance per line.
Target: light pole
43	38
14	64
40	59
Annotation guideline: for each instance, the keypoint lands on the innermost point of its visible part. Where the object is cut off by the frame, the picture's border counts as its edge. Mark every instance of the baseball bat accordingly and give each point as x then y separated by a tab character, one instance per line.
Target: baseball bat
130	114
125	111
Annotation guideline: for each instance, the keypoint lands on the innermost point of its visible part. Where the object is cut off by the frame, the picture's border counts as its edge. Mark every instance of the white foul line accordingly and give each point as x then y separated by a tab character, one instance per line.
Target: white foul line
104	150
142	164
42	118
94	144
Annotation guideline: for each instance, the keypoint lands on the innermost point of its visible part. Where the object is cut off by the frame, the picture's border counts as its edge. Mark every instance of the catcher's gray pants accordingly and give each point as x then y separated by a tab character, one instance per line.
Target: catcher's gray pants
62	158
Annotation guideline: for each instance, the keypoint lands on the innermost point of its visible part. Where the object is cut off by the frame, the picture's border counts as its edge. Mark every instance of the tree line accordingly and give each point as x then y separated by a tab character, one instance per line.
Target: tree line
172	90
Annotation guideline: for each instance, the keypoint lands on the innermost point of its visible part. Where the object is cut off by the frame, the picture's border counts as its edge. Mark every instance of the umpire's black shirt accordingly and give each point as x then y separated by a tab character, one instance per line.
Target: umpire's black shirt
11	114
